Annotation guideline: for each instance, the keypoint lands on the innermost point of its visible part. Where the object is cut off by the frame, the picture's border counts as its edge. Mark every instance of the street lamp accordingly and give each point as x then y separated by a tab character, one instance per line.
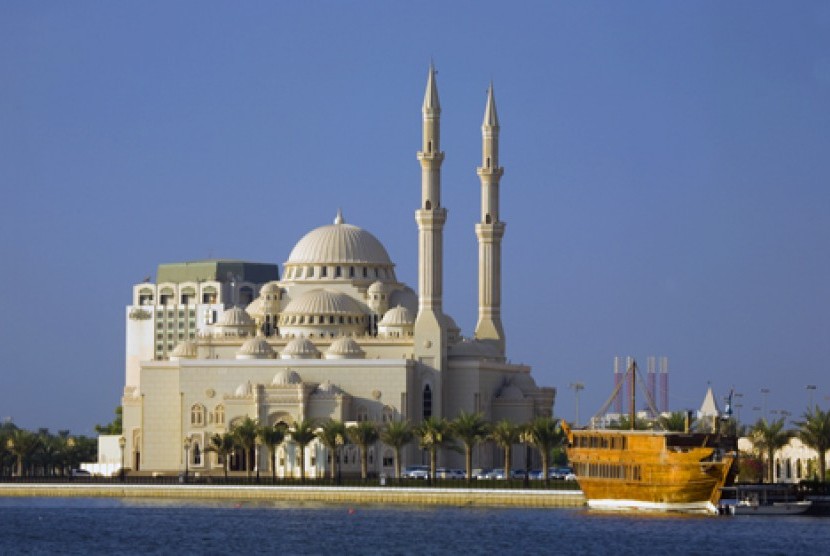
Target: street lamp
765	392
577	387
186	445
810	389
122	442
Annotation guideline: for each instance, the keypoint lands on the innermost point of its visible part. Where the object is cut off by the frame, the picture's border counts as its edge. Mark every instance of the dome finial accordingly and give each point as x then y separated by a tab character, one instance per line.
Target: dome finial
339	218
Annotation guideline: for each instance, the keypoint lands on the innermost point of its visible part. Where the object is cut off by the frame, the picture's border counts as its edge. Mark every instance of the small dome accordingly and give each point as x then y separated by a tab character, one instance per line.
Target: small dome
270	288
300	348
510	392
326	388
235	316
339	243
286	377
344	348
378	287
184	350
323	302
255	348
397	316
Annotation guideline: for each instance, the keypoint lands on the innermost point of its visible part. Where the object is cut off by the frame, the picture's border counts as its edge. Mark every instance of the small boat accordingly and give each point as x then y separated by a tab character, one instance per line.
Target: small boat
650	469
767	500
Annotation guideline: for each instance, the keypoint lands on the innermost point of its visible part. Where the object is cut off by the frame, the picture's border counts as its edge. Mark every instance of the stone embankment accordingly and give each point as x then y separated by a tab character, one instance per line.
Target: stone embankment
317	494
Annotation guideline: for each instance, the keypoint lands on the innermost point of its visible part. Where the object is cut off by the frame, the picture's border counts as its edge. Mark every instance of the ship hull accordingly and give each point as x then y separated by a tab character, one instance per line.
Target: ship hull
655	471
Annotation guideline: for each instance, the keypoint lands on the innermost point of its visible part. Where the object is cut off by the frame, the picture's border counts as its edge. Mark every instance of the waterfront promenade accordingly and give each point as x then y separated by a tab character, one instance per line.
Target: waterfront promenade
535	498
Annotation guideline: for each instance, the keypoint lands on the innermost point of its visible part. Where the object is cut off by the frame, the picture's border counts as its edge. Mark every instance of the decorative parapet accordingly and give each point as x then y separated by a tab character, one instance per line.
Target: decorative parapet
140	314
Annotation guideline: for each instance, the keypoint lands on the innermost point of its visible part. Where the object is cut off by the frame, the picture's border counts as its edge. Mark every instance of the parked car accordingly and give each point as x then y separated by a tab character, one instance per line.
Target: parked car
416	472
518	473
445	473
497	473
560	473
481	473
81	473
535	475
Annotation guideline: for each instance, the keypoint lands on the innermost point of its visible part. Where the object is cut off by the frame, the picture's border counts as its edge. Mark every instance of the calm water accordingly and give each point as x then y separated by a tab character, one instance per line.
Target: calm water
112	526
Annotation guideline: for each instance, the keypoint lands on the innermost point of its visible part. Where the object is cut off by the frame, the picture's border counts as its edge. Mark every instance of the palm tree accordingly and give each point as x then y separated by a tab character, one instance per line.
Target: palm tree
814	431
544	434
332	435
22	444
470	428
676	421
433	433
768	438
223	445
396	435
506	434
272	436
245	434
302	433
364	434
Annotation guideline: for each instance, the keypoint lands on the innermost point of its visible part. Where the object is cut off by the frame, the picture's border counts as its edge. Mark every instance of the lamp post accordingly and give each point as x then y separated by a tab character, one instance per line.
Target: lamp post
122	442
811	388
577	387
765	392
338	444
186	445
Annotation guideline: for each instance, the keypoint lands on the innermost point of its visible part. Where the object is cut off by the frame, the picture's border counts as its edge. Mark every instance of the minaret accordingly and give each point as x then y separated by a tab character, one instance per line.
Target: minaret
490	231
430	330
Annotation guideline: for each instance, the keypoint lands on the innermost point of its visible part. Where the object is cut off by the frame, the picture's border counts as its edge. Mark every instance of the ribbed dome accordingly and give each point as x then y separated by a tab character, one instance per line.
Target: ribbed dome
511	392
235	316
300	348
339	243
397	316
270	287
256	308
257	348
285	377
378	287
323	302
185	349
345	348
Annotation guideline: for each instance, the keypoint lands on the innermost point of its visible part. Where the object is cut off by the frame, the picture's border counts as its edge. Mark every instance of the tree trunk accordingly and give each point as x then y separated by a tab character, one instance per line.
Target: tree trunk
433	462
468	462
398	464
273	464
364	462
507	458
302	464
333	464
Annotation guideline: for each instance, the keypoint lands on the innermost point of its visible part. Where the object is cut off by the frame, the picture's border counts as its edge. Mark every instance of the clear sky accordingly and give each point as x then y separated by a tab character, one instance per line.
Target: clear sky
665	190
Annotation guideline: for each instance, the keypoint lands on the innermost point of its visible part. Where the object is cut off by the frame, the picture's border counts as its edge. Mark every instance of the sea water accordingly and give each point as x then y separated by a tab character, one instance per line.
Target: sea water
119	526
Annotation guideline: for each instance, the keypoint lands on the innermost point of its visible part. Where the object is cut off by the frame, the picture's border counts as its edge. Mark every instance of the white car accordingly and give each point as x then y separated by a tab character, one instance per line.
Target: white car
416	472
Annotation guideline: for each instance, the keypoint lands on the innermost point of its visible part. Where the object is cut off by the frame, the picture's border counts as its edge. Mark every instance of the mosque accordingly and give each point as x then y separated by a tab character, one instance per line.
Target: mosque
337	336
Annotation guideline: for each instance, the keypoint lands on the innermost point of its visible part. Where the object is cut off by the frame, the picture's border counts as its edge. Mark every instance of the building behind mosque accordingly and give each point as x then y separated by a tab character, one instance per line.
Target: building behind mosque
336	336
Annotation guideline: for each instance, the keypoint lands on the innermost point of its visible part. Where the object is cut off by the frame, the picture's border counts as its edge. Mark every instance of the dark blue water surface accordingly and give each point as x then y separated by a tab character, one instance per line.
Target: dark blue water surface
116	526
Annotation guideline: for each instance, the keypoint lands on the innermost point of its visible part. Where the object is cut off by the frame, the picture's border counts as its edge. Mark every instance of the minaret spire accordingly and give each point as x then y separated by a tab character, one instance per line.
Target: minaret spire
430	329
490	230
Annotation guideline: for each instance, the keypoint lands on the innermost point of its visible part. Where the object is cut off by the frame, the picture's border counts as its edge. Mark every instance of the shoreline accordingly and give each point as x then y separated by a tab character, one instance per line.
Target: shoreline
324	494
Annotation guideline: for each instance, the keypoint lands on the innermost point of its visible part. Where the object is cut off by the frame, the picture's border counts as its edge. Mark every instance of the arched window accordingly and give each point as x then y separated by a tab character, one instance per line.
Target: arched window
427	402
219	415
388	414
488	219
197	454
362	414
798	469
197	415
428	205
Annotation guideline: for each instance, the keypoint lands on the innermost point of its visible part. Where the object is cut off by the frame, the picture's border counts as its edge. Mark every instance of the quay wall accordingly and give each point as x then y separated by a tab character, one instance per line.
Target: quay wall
316	494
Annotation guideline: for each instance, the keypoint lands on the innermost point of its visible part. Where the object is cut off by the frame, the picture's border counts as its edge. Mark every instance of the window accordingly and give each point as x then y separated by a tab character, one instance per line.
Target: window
323	271
219	415
309	272
388	414
337	272
197	415
365	272
388	458
197	455
351	272
362	414
427	406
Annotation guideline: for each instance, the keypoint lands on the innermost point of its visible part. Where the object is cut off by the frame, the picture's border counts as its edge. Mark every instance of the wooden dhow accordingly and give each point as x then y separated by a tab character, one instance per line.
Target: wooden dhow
650	470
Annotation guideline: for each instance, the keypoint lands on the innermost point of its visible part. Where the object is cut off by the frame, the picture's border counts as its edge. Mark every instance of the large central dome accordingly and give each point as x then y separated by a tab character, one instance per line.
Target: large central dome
339	243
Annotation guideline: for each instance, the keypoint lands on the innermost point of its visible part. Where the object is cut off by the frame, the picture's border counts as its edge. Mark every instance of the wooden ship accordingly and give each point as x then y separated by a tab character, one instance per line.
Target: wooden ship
650	469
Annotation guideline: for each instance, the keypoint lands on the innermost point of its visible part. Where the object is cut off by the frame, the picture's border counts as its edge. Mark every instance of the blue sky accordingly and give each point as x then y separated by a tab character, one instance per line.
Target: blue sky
665	188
